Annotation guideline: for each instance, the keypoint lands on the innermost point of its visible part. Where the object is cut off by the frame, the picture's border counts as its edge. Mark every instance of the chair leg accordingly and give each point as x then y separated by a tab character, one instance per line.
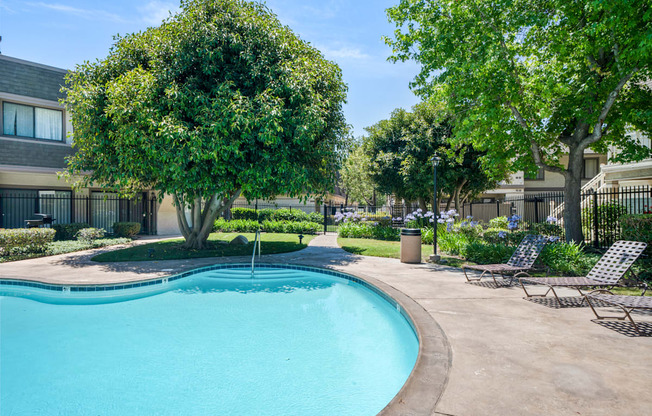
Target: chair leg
620	318
472	279
530	295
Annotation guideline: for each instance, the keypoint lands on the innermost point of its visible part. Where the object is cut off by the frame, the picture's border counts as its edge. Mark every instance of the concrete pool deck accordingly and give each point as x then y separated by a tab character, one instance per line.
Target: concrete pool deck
509	356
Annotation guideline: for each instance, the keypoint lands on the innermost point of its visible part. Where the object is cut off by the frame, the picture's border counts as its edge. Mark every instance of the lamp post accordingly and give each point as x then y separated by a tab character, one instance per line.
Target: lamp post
435	162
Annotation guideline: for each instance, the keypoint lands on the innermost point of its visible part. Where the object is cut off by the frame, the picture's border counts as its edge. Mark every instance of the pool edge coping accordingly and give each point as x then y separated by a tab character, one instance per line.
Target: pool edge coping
427	381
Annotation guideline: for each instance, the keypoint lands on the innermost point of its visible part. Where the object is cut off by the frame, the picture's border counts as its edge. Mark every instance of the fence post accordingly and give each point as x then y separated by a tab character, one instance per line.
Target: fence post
88	210
325	219
72	206
1	213
497	208
596	240
536	209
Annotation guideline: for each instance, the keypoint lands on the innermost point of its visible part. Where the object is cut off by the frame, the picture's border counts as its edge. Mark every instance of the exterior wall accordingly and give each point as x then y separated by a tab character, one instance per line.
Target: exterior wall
30	79
166	218
555	181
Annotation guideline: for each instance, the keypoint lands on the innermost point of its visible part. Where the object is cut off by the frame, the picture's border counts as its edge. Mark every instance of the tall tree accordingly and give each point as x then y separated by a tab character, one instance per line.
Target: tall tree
400	151
218	101
532	81
356	178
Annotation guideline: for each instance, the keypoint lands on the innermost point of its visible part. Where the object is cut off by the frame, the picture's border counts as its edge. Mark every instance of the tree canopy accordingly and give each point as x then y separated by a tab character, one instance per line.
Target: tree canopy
356	178
534	81
400	150
219	100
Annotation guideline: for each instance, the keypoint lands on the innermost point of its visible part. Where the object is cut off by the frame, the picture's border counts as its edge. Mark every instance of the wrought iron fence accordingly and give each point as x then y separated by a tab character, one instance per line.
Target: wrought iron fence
600	211
99	209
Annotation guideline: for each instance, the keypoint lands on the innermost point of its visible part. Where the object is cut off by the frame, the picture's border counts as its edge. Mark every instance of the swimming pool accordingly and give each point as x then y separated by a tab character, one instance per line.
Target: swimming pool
289	342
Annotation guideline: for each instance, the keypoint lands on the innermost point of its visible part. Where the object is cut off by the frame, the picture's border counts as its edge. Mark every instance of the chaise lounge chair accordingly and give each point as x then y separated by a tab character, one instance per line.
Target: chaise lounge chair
624	302
521	261
607	272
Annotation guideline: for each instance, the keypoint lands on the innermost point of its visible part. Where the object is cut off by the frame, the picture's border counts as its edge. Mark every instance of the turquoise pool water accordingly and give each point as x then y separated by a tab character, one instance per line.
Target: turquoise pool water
215	343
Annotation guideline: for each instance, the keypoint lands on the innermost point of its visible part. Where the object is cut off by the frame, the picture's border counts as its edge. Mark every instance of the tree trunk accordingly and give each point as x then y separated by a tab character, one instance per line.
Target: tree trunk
458	190
449	202
572	197
203	214
422	204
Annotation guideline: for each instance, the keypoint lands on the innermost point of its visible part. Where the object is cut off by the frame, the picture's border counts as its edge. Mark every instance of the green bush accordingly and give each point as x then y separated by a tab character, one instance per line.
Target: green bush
265	214
62	247
452	242
236	226
25	240
90	234
68	231
544	228
362	230
608	219
637	228
126	229
316	217
568	259
291	227
510	238
483	253
499	223
244	214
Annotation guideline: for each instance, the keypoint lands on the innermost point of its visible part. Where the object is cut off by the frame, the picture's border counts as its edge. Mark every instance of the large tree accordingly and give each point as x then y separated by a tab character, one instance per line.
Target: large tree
218	101
536	81
356	178
400	150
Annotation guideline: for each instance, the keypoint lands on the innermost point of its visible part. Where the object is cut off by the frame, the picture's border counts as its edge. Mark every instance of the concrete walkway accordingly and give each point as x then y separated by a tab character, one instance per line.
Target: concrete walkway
509	356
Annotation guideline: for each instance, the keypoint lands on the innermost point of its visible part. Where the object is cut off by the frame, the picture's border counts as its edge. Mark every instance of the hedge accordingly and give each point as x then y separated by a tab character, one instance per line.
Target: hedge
126	229
282	214
25	240
250	226
68	231
90	234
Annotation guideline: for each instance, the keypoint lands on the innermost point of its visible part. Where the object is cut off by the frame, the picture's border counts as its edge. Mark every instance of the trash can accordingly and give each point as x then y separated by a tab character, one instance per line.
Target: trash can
411	245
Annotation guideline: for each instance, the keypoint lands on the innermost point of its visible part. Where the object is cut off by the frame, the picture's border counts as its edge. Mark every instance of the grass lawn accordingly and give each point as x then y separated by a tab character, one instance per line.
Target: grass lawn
391	249
218	247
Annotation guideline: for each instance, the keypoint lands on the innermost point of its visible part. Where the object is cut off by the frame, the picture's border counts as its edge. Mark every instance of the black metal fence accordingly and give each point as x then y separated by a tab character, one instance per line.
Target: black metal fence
99	209
600	211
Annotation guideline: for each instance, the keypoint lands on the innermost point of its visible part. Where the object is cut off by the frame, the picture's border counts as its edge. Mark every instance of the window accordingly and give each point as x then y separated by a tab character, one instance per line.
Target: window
539	176
27	121
591	168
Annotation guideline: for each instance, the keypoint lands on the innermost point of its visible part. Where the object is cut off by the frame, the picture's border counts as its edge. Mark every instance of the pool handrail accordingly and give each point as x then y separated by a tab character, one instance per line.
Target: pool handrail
253	255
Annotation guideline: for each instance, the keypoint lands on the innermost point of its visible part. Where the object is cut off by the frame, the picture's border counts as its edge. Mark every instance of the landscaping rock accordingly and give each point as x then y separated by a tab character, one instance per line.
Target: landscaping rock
240	240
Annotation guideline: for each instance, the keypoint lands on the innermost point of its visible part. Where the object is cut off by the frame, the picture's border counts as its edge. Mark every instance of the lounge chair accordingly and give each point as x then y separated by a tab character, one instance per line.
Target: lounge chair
607	272
521	261
624	302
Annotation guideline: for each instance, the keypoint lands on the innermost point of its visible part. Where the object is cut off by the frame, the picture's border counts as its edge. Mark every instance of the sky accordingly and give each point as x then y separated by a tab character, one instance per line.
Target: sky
64	33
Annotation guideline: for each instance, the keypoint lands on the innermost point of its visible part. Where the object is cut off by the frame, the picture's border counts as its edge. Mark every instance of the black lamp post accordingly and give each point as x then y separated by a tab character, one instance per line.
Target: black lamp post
435	162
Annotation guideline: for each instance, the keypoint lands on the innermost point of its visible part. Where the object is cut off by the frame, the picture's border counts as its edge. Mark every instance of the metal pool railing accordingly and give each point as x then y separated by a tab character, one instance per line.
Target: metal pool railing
253	255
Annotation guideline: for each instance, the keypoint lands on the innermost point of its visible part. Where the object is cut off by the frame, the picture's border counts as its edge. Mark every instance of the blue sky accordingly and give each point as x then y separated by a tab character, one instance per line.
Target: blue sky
63	33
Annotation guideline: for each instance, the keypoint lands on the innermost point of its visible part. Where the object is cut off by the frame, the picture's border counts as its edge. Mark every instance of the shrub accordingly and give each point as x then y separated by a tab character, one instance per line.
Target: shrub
510	238
25	240
316	217
637	228
568	259
62	247
126	229
483	253
452	242
90	234
244	214
68	231
608	216
286	214
362	230
291	227
546	228
265	214
236	226
499	222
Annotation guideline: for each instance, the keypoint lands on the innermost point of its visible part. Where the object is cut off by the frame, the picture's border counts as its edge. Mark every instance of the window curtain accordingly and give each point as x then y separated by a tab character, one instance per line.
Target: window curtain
18	120
48	124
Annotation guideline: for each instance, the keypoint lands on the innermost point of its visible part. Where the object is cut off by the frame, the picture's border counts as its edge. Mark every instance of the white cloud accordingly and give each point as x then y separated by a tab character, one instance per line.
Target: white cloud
344	53
154	12
90	14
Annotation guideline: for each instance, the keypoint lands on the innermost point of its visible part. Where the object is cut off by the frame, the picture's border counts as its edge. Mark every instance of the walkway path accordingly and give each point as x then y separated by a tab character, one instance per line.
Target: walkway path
509	356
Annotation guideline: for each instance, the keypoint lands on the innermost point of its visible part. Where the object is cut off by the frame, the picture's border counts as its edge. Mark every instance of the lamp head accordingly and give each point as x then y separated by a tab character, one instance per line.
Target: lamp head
435	160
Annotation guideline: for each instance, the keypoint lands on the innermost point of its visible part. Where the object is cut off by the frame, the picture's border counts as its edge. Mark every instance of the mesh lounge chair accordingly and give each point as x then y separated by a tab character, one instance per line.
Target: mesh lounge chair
624	302
607	272
521	261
